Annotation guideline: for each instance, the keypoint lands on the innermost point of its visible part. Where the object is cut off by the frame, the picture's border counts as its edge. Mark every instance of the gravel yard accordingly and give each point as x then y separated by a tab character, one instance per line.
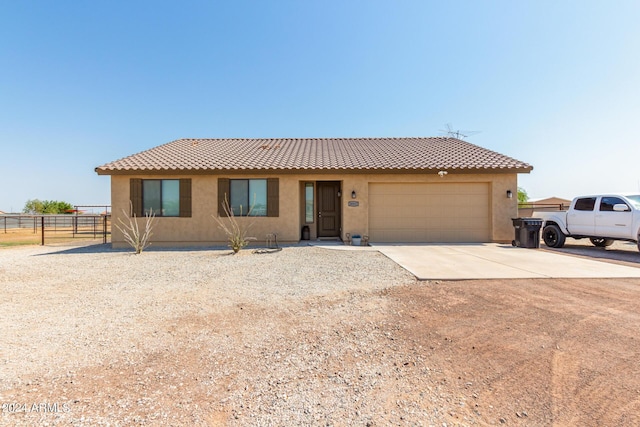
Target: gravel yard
75	316
305	336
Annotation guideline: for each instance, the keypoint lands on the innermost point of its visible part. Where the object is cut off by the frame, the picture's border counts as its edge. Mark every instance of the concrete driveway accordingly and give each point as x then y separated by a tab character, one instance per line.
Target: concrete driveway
496	261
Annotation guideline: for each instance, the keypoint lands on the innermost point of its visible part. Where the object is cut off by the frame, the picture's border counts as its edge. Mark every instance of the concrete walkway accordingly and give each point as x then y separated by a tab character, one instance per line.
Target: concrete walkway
496	261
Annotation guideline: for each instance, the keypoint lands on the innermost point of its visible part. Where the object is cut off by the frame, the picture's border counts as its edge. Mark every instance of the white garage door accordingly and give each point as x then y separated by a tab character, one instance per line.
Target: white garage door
430	213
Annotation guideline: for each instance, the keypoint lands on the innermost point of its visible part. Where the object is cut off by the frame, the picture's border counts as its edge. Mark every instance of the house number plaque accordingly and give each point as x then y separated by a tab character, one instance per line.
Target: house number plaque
353	204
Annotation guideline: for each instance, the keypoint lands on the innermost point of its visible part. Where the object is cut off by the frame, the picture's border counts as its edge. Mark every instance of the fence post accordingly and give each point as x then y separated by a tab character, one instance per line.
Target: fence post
42	228
104	230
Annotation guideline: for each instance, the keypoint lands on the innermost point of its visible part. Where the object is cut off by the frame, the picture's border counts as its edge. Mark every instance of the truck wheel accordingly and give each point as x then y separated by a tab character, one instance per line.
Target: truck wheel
600	242
552	236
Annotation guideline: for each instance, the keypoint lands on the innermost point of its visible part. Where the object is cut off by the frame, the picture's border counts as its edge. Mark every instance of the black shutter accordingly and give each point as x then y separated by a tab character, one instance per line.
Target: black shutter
135	195
223	195
185	197
273	197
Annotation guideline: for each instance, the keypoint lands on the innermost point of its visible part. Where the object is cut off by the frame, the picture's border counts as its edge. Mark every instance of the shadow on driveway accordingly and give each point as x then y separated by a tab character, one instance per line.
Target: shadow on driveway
618	253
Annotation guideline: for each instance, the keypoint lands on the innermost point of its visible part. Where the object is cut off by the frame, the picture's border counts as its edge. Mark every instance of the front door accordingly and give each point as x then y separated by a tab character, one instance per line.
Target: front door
328	209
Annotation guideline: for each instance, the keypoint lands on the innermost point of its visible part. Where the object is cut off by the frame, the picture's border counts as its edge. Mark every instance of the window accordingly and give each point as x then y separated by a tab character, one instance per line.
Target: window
308	202
248	197
635	201
585	204
261	196
163	197
607	203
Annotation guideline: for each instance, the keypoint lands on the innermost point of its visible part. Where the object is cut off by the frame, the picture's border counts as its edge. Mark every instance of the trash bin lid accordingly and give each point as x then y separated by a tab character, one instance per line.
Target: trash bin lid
532	221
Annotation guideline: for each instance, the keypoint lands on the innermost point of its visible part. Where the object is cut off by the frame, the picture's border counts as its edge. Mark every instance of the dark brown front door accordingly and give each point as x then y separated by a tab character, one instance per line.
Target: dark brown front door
328	209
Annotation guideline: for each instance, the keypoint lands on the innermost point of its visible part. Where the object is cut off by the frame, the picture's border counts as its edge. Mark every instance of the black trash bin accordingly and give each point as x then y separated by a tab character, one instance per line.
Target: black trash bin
527	232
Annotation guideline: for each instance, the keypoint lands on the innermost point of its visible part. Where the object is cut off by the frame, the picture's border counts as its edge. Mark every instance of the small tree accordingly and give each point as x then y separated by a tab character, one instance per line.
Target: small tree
523	197
36	206
55	207
64	207
137	239
236	232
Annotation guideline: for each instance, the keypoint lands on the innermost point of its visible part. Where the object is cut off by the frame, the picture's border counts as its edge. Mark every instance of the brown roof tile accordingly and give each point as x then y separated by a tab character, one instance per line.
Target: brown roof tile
319	154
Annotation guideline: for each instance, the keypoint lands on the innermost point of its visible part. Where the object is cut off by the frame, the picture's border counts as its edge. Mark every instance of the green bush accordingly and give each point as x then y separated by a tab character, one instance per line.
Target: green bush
523	197
37	206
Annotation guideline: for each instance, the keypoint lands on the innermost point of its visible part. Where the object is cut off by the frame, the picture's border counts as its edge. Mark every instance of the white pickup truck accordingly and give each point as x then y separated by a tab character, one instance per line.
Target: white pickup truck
602	219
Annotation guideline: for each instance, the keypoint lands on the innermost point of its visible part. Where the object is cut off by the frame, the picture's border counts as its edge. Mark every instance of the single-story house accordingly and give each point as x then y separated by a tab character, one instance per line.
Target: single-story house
437	189
554	203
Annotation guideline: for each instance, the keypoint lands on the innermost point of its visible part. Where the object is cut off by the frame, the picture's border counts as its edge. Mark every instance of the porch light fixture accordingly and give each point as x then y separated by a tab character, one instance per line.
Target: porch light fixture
442	173
509	194
339	193
353	194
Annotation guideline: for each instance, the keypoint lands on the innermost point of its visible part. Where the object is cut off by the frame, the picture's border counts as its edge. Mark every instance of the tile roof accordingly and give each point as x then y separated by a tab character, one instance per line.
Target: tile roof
315	154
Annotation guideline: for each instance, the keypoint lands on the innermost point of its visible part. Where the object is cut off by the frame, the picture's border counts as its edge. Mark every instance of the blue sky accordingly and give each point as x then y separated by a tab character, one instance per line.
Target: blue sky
553	83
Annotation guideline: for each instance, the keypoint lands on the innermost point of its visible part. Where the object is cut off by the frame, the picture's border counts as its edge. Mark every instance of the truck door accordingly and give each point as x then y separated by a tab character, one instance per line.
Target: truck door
610	223
581	219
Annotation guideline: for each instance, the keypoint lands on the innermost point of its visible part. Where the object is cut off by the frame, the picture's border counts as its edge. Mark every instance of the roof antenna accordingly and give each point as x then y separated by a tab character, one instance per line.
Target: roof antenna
458	134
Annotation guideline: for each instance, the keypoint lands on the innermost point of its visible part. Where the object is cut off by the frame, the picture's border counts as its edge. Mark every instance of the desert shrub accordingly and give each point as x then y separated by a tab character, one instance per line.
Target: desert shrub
235	231
138	239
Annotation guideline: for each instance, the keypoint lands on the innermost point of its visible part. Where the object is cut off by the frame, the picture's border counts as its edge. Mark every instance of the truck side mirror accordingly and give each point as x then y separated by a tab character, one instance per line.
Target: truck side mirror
621	207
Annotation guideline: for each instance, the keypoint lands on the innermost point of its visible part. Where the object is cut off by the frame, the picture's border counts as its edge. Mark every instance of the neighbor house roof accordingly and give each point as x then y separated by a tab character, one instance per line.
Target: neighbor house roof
552	199
314	154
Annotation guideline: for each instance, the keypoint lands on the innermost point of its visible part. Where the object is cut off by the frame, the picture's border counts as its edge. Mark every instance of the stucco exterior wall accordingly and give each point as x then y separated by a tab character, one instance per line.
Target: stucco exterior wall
201	229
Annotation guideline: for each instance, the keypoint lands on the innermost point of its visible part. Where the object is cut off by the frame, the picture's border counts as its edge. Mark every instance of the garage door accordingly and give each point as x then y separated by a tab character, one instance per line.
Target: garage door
417	212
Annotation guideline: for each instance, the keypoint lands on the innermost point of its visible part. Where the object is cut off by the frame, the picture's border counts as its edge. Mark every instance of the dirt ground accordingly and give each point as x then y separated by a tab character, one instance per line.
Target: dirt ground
544	352
19	236
26	236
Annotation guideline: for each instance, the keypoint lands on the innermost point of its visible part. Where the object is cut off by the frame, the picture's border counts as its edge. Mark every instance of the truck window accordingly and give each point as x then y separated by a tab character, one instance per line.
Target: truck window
635	200
606	204
585	204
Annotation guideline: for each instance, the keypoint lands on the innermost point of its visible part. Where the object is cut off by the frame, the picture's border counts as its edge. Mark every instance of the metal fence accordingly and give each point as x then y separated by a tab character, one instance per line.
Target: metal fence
65	226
